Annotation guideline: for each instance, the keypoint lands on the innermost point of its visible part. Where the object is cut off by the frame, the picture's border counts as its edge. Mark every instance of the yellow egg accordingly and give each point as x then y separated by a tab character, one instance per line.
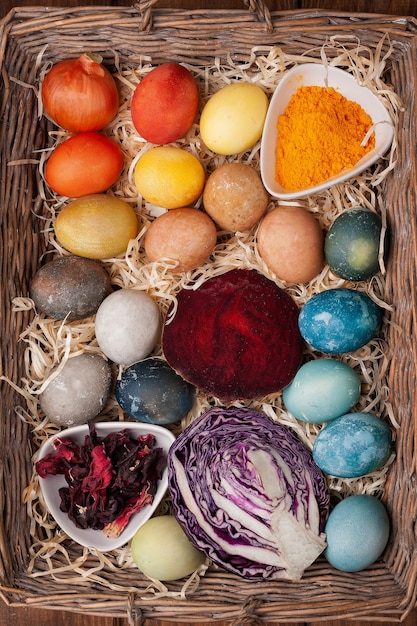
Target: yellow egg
291	243
169	177
233	118
98	226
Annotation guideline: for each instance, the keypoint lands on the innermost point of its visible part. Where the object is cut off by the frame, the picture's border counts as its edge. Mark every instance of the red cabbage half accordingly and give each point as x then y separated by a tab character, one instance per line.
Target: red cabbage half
248	494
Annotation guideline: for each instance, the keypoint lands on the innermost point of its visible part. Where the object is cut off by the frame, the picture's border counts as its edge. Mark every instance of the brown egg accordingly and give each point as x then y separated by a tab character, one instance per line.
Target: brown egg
291	243
185	235
235	197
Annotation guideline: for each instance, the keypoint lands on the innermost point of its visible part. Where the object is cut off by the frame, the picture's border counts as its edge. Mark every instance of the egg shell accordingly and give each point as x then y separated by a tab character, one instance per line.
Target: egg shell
291	242
322	390
339	320
128	326
352	244
79	391
70	287
353	445
151	391
233	118
357	532
185	235
234	197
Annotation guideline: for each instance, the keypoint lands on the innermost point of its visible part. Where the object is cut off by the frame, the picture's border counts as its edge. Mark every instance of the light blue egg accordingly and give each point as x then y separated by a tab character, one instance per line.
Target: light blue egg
322	390
353	445
339	320
357	532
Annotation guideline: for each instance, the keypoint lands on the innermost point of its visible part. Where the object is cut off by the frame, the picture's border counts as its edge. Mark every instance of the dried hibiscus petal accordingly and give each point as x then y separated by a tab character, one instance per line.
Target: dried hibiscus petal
235	337
108	479
135	504
67	455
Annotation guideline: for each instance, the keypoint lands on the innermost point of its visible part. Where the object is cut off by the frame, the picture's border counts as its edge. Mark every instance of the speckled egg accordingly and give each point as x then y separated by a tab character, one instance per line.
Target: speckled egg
357	532
322	390
79	392
339	320
70	287
353	445
151	391
352	244
128	326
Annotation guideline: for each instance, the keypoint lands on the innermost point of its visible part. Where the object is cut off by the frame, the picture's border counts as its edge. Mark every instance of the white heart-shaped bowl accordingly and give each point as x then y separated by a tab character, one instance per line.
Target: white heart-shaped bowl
310	74
50	486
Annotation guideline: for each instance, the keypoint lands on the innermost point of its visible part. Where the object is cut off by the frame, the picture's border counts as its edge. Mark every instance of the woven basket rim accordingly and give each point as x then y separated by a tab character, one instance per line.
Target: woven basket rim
24	29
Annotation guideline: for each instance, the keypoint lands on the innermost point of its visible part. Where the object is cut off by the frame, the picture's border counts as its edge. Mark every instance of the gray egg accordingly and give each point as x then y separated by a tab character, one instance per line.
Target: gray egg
70	287
79	392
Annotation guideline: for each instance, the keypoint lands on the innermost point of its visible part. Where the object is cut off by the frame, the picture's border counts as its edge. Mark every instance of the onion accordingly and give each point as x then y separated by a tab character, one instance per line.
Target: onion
80	94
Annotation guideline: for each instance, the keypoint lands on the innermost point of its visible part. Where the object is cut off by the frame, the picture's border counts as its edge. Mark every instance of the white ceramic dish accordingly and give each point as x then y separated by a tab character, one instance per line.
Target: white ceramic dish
309	74
50	486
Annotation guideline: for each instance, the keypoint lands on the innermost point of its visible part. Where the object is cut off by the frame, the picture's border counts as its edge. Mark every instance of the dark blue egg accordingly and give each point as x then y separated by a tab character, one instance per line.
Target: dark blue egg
151	391
339	320
353	445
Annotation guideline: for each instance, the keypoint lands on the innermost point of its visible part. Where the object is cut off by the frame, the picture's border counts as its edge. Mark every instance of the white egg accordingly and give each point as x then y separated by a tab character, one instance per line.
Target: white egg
128	326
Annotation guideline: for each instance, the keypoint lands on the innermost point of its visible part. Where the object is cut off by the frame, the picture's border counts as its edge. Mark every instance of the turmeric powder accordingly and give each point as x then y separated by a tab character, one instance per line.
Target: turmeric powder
319	136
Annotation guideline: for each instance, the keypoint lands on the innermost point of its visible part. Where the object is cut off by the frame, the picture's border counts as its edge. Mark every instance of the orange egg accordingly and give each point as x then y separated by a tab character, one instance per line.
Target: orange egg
291	243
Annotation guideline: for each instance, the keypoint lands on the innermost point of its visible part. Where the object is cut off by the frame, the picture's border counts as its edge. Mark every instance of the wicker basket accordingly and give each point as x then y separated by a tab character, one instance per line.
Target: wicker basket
385	591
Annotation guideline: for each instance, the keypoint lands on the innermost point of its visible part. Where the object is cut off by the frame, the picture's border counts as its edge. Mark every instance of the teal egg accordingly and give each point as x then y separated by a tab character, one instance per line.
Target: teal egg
151	391
357	532
322	390
351	246
353	445
339	320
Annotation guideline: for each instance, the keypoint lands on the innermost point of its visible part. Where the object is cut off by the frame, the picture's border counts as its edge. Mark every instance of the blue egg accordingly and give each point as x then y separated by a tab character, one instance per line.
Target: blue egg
339	320
357	532
322	390
151	391
353	445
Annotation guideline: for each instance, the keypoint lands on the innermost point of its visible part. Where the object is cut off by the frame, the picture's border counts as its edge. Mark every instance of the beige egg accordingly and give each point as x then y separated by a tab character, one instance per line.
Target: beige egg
291	243
184	235
235	197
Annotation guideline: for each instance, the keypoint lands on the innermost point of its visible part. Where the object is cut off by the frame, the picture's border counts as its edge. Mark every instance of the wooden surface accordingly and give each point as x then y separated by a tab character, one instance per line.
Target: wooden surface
24	617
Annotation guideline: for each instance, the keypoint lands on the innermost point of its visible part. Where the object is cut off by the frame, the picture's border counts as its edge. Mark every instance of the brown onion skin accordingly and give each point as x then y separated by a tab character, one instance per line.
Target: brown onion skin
80	94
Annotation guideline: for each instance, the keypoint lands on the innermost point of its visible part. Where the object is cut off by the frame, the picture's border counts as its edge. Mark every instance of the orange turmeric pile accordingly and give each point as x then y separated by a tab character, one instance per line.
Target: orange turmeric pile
319	136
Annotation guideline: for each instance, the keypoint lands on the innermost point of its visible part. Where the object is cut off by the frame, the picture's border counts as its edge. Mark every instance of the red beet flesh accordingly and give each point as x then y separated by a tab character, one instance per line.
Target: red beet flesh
236	337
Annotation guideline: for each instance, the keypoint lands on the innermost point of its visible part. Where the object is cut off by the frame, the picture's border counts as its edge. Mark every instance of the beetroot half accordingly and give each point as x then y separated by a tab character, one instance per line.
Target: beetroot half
235	337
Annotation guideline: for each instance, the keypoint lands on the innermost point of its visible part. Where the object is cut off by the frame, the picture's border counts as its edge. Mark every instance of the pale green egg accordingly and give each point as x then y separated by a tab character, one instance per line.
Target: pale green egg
161	550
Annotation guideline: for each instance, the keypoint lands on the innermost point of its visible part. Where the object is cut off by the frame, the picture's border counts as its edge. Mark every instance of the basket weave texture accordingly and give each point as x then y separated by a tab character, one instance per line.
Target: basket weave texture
385	591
